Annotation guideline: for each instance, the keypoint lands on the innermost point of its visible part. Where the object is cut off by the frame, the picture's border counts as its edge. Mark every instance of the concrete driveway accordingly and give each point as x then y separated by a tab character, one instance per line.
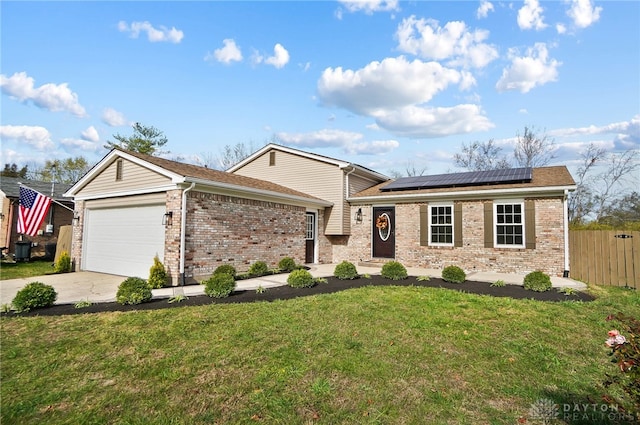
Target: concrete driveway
71	287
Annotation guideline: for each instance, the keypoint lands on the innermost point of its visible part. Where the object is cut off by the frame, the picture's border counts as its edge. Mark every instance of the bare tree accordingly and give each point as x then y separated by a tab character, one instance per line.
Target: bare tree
410	170
596	193
230	155
532	150
581	201
481	156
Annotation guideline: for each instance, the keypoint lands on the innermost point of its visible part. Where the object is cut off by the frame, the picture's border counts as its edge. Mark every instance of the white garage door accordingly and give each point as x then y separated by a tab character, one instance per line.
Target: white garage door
123	241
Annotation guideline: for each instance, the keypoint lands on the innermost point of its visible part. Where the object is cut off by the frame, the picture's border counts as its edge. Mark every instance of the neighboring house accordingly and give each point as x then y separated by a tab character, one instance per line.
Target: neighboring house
49	231
510	221
132	207
326	178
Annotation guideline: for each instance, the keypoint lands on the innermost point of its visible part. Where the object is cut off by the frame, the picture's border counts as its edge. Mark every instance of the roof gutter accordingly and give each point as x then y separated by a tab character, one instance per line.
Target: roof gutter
183	231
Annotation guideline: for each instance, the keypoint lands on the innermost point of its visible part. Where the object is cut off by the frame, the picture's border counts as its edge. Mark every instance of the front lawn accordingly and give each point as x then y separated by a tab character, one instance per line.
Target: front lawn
372	355
23	269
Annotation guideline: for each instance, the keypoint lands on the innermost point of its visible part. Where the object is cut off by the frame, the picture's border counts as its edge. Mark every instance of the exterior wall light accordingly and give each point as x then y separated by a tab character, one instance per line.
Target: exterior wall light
167	218
359	215
76	218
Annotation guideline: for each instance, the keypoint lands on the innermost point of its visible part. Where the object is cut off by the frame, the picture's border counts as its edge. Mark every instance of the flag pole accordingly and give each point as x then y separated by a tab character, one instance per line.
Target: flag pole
52	200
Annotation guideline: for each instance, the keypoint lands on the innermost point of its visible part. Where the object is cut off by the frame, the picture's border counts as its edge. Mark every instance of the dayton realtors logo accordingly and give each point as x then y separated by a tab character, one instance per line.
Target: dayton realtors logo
547	411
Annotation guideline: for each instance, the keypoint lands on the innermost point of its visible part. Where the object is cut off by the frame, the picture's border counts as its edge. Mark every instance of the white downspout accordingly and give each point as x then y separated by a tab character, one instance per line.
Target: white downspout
565	214
183	231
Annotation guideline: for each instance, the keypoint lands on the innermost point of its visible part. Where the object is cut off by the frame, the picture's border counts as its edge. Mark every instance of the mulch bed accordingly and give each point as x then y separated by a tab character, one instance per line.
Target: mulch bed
333	285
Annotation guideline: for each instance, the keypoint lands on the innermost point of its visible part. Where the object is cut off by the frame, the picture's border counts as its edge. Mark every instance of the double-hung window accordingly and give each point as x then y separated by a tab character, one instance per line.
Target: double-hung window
509	224
441	224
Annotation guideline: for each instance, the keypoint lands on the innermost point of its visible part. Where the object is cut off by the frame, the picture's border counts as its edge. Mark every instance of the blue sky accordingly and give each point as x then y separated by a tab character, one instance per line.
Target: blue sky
383	84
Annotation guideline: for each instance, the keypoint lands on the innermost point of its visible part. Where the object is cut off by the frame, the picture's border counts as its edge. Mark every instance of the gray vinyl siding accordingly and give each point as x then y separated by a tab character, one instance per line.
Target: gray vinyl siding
319	179
134	177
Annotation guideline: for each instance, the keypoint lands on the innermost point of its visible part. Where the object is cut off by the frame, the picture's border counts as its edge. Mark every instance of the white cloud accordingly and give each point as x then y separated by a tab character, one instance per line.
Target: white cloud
53	97
392	83
154	35
629	129
394	92
370	6
91	134
230	52
86	145
415	121
349	142
279	59
561	28
583	13
529	71
530	16
454	42
113	118
484	9
35	136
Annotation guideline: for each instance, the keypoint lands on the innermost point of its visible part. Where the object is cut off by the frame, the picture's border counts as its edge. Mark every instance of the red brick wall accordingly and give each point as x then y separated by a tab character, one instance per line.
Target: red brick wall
548	255
228	230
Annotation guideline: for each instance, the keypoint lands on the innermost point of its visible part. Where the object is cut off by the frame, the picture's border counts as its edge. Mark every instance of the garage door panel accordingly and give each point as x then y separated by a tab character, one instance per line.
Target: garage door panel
123	241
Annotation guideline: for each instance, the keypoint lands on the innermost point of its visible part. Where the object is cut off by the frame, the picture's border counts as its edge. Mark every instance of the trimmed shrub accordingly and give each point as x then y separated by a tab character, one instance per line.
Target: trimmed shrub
34	295
157	274
287	264
453	274
226	268
63	265
133	290
345	271
220	285
537	281
259	268
300	279
394	270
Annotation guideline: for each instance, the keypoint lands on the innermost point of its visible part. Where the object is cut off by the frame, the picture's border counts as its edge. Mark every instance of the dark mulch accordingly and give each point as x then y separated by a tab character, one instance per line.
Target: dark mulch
333	285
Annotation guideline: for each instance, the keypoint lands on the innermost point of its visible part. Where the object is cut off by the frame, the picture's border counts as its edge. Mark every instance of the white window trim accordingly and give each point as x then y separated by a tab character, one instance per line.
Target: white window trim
453	230
496	224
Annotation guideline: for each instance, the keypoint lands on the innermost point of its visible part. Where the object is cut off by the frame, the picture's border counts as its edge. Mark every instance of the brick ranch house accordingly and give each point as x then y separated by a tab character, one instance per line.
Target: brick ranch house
286	202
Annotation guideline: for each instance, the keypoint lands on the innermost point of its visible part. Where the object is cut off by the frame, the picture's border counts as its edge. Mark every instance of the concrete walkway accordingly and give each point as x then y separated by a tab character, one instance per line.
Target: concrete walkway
100	287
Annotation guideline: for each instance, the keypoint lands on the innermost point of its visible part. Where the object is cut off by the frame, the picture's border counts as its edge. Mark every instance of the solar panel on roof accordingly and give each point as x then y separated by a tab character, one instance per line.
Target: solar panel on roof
472	178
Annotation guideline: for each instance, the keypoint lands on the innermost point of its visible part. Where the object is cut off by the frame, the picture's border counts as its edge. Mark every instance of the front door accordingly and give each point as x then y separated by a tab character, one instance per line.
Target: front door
384	239
310	238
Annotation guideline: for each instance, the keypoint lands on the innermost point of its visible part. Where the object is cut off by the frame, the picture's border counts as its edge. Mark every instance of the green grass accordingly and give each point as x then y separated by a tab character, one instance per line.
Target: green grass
374	355
10	270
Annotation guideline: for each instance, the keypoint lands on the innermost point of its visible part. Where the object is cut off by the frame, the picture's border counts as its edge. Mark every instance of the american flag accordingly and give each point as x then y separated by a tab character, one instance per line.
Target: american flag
33	209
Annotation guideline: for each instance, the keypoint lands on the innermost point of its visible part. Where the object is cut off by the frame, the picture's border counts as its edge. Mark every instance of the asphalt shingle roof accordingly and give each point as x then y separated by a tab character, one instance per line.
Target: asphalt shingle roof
11	188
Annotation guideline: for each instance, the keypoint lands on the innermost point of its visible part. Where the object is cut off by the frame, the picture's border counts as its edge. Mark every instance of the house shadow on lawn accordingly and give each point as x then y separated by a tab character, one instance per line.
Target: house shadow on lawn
331	285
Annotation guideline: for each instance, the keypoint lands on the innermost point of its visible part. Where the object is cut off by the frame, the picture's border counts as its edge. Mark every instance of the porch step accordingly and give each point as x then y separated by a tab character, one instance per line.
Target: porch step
376	262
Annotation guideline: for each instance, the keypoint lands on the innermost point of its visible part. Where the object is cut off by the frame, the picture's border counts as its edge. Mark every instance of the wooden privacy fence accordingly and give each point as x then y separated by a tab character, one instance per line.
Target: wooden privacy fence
605	257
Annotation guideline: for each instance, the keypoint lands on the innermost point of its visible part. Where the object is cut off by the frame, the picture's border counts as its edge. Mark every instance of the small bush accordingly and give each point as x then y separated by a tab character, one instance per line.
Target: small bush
300	279
498	283
537	281
63	265
453	274
625	354
226	268
157	274
133	290
83	304
287	264
394	270
423	278
345	271
259	268
34	295
219	285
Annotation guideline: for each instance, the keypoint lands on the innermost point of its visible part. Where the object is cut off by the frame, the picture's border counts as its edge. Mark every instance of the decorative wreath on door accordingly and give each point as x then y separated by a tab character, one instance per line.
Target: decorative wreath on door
382	222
